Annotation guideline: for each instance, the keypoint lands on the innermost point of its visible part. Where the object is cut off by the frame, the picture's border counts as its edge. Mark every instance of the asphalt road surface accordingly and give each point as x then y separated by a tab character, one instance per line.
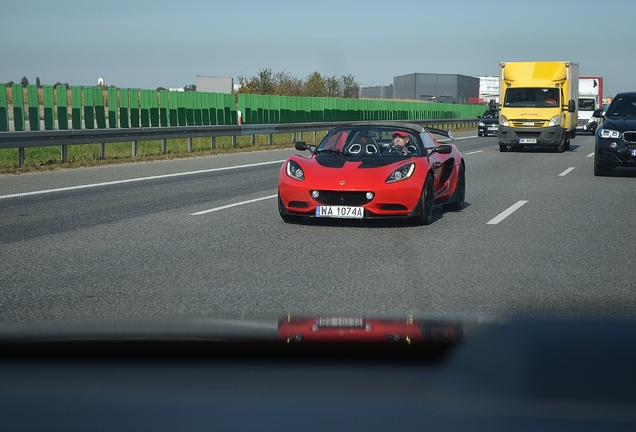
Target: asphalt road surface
202	237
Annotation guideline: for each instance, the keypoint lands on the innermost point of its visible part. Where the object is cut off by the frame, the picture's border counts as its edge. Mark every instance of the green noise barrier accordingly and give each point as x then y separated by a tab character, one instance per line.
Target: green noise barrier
124	108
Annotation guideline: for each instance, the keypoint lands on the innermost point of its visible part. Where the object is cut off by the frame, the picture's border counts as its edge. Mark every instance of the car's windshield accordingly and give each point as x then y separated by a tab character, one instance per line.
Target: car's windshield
371	142
622	106
531	97
490	114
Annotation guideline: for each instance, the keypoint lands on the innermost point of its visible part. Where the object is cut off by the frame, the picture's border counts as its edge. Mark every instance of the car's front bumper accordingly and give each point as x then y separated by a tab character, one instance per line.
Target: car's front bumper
544	137
615	152
392	200
488	129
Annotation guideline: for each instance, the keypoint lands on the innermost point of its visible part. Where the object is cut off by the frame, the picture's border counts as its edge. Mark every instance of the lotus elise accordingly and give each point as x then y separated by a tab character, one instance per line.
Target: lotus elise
373	170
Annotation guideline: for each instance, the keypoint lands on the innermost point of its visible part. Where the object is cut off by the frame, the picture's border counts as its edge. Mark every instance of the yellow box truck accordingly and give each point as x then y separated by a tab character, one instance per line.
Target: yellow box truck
538	104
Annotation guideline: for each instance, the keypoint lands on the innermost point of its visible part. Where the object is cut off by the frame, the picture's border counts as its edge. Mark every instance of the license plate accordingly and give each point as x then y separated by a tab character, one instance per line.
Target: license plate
347	212
633	153
492	128
339	322
528	141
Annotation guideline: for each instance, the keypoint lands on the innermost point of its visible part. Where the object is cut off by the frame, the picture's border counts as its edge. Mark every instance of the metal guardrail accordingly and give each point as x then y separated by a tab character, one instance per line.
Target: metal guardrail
63	138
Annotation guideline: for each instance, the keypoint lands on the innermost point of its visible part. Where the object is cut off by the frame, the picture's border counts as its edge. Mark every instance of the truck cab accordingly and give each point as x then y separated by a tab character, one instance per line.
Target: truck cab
539	104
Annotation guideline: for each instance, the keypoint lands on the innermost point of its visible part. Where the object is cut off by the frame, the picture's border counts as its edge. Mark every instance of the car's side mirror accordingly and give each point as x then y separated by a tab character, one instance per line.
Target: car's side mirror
572	106
443	149
301	146
598	113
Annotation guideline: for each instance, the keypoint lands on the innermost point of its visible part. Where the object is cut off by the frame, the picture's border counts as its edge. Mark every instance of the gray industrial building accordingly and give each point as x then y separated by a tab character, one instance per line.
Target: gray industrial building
212	84
377	92
446	88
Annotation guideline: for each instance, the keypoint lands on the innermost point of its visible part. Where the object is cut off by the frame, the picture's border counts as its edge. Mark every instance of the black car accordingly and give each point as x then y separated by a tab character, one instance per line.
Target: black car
488	123
615	144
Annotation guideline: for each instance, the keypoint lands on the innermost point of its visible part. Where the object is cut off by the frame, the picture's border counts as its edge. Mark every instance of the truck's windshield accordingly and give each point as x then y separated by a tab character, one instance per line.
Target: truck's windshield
587	104
531	97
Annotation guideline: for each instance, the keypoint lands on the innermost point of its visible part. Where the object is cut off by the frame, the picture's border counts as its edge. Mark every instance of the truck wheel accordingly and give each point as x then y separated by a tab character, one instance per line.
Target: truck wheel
566	146
561	147
503	148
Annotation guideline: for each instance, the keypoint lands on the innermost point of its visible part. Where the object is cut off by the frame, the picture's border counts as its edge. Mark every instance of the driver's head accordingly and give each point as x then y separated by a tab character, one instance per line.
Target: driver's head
400	138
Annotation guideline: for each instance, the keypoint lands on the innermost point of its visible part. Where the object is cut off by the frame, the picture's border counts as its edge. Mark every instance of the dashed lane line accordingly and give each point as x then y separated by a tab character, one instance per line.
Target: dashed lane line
506	213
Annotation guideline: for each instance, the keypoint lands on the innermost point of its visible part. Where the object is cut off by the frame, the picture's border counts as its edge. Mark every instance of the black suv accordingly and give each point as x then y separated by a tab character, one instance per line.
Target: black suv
615	142
488	123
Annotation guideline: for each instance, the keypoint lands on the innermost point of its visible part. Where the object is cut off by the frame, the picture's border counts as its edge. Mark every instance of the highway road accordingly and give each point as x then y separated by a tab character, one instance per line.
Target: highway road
202	237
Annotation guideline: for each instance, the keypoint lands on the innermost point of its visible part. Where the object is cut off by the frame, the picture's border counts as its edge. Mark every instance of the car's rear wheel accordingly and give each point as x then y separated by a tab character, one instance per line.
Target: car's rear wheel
286	216
600	170
427	203
460	190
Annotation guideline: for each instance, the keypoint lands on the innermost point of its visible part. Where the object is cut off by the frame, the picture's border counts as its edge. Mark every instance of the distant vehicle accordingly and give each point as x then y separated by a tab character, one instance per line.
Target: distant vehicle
605	106
372	170
615	142
488	123
539	104
590	99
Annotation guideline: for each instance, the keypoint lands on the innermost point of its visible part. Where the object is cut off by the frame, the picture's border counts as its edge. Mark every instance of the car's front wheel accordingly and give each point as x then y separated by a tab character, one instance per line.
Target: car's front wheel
460	190
600	170
427	203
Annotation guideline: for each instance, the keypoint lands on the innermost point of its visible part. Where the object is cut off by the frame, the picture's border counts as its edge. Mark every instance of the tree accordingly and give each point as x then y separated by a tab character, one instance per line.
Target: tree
37	82
24	81
350	87
287	85
246	86
315	86
265	82
269	83
333	87
191	87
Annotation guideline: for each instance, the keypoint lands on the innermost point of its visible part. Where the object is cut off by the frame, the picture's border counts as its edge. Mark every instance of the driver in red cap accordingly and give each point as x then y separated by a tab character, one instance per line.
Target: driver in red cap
400	141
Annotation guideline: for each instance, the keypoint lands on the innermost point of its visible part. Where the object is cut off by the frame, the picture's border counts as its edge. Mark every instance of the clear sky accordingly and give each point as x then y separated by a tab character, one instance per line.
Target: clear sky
147	44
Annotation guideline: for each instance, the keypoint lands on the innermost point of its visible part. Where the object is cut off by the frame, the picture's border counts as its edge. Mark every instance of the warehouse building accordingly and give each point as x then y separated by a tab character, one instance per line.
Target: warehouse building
445	88
377	92
212	84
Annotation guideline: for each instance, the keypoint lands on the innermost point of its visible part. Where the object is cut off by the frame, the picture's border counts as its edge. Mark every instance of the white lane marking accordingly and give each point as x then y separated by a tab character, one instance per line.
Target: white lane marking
590	155
445	141
566	172
232	205
506	213
475	152
69	188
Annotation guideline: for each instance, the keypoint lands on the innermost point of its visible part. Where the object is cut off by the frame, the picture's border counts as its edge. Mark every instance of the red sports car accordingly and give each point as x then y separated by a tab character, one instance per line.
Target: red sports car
296	329
373	170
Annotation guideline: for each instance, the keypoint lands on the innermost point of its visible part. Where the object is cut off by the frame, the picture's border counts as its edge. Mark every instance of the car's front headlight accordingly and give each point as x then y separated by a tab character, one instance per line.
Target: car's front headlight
401	173
609	133
295	171
554	121
503	120
482	124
